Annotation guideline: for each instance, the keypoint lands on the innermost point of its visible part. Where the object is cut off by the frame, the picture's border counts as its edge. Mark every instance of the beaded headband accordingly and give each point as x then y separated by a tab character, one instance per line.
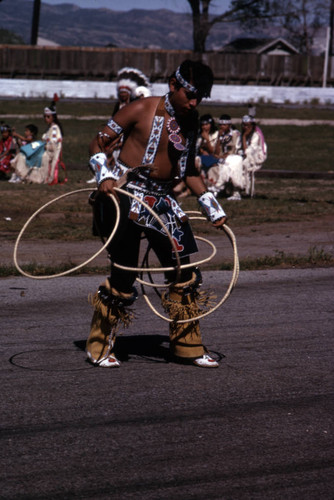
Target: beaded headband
124	89
184	82
48	111
248	119
225	122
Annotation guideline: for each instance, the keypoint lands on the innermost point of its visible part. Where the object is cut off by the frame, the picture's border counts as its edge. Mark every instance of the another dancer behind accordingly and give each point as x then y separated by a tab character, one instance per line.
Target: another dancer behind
131	84
160	137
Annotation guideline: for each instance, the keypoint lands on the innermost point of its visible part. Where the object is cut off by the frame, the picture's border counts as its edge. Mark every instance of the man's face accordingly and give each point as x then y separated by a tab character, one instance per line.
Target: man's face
123	96
5	134
182	100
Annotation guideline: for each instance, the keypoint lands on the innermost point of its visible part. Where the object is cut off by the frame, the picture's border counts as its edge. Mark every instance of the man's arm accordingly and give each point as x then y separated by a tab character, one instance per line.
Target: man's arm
213	211
101	149
123	122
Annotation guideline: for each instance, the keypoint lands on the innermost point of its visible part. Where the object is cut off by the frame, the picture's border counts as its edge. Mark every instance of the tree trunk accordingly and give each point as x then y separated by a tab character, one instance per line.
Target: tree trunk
35	22
200	23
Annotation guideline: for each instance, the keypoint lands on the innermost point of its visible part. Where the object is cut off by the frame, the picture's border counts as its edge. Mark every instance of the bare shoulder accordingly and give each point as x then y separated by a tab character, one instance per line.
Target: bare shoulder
145	104
135	111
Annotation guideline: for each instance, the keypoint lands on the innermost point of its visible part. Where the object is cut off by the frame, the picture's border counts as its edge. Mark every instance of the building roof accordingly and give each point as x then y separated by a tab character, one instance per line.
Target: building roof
276	46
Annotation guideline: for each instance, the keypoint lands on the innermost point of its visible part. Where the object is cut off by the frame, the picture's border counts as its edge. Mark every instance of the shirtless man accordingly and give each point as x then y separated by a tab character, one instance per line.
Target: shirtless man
159	147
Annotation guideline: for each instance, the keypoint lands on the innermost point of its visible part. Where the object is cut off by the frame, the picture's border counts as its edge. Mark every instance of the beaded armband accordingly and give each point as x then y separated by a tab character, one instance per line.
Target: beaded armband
210	207
114	126
99	164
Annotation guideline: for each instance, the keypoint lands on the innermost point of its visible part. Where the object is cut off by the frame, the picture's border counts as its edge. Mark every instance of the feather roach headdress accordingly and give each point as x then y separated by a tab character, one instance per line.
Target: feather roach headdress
128	79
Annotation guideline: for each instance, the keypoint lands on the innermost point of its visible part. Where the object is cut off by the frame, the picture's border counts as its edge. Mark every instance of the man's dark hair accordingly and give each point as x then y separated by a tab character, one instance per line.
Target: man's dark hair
33	129
198	75
225	117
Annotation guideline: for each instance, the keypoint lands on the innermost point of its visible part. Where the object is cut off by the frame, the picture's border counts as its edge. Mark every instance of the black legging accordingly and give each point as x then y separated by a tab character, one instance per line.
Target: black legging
124	247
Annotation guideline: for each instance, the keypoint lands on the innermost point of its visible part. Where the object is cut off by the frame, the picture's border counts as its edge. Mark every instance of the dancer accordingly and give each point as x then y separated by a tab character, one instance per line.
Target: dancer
159	148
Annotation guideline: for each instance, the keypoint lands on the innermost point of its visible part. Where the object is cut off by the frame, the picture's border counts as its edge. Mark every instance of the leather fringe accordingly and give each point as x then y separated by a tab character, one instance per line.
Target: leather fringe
115	314
178	310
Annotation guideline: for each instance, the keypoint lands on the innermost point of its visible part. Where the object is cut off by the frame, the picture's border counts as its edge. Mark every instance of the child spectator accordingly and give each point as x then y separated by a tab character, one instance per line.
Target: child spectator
27	163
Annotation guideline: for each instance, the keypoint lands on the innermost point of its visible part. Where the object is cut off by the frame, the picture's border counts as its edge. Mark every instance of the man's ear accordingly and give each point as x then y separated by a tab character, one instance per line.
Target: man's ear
172	84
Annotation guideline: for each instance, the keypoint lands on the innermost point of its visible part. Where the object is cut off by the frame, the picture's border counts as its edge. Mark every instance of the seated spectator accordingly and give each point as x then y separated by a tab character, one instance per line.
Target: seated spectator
8	148
238	169
206	144
228	169
27	163
30	135
227	138
252	147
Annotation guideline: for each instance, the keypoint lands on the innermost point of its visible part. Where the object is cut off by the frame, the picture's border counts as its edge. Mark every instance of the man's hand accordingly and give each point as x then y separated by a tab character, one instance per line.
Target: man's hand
107	187
218	224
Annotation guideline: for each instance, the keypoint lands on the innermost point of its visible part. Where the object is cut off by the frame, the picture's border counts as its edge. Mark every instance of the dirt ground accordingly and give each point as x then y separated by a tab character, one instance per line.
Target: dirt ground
263	240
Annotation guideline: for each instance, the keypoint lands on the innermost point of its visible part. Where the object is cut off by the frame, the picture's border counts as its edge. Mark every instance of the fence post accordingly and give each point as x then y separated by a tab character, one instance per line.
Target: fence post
324	78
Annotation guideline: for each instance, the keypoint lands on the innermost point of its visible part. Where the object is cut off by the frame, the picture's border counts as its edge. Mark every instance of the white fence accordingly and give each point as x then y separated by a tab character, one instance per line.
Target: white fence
233	94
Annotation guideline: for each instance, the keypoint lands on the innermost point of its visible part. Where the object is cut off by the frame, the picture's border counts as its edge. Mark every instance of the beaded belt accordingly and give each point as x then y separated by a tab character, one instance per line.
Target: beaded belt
148	185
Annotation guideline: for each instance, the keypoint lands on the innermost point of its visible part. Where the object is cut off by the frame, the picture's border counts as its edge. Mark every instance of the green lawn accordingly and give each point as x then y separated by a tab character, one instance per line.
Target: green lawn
309	148
298	148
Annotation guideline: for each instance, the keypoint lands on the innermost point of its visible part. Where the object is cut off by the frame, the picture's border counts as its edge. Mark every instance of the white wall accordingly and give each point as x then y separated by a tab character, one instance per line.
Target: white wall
234	94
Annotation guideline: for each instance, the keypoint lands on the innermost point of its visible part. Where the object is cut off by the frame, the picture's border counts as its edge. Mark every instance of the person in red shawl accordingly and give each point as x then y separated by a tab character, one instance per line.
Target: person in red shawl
8	148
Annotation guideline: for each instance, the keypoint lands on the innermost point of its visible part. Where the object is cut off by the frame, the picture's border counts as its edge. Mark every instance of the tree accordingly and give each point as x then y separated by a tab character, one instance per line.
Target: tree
331	27
35	22
242	11
299	18
9	38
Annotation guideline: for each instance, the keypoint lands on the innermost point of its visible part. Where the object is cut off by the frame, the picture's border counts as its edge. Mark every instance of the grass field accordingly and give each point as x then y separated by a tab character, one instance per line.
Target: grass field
307	148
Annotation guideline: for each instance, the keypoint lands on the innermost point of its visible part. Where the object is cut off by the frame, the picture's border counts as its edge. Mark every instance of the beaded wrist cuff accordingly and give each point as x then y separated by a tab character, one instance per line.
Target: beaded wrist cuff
99	164
210	207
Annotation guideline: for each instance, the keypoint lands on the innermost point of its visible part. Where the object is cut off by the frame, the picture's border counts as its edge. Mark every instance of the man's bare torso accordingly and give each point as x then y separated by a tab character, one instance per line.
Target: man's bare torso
136	119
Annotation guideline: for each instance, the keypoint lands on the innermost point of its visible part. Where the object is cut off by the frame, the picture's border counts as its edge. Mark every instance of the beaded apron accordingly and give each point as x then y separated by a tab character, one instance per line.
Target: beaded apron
157	193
